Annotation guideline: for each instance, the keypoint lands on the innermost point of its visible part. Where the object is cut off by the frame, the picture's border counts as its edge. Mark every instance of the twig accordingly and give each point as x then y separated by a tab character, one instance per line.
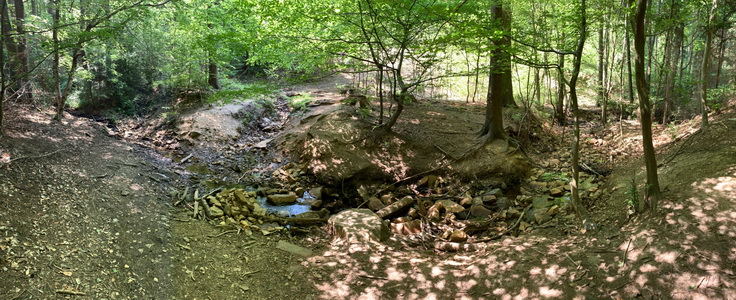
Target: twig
626	253
34	157
373	277
573	261
70	292
679	149
224	233
701	282
186	158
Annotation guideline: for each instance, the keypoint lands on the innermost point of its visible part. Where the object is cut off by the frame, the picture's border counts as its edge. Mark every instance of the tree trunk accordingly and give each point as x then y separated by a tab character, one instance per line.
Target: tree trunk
672	58
56	14
21	57
499	78
212	75
78	54
3	7
704	70
628	65
504	61
560	103
577	204
380	94
601	68
652	191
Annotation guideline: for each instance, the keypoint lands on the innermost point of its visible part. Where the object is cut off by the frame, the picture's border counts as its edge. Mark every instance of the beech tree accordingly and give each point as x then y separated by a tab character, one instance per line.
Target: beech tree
652	192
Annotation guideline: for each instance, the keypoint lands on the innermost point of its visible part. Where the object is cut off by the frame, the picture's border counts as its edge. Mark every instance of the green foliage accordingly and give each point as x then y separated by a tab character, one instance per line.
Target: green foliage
300	102
632	196
717	97
234	91
547	176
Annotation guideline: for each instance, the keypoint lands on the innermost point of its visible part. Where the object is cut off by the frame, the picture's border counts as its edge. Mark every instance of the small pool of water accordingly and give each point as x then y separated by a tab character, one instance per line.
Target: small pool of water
286	210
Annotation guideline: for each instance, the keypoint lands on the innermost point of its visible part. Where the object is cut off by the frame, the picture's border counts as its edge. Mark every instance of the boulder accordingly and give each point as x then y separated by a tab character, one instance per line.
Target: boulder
358	226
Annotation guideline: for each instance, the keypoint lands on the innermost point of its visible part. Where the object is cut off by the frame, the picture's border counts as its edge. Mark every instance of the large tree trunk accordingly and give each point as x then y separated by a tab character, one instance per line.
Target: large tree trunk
500	91
577	204
705	67
650	160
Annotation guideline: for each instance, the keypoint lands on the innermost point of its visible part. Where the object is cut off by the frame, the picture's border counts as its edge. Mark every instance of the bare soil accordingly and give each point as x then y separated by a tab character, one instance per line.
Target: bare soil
87	213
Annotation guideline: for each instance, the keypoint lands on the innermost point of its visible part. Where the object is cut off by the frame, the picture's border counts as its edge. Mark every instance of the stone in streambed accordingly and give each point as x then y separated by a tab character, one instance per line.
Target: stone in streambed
282	199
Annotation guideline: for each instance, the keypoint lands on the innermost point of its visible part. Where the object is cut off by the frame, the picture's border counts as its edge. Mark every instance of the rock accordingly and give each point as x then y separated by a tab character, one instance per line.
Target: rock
294	249
282	199
313	203
556	192
216	212
488	198
495	192
504	203
451	206
466	201
262	144
358	226
541	216
317	193
553	210
513	213
540	186
407	228
458	236
375	204
387	199
479	211
299	192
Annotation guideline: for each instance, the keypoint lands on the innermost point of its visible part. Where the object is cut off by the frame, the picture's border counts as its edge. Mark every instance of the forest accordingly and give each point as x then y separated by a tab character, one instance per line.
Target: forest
370	149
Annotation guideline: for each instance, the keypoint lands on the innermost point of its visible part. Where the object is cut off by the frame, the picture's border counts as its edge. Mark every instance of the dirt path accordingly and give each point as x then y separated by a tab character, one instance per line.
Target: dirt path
82	212
86	213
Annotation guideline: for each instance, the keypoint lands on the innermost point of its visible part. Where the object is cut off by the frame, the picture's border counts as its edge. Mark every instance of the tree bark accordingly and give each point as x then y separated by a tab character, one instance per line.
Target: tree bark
672	58
212	79
577	204
560	103
652	191
499	78
21	57
628	63
704	70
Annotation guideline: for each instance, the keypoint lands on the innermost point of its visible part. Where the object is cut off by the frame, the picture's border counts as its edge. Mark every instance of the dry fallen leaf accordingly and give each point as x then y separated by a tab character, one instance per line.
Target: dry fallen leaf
67	273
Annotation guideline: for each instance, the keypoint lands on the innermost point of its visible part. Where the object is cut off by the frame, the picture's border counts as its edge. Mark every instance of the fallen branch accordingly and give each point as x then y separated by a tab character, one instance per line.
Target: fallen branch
71	292
34	157
679	149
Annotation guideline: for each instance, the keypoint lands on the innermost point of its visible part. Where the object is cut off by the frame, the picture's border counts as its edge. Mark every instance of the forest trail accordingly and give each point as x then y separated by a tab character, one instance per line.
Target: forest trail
85	212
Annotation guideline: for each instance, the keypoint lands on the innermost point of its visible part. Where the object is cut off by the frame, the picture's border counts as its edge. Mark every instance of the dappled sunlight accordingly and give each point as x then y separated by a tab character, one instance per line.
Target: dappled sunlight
682	252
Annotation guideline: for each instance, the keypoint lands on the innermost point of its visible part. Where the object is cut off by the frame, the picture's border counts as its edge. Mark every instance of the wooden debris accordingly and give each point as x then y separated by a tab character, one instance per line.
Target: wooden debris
395	208
457	247
71	292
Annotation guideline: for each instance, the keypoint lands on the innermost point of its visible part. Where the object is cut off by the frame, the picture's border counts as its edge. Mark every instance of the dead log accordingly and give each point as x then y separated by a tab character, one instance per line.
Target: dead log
395	208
